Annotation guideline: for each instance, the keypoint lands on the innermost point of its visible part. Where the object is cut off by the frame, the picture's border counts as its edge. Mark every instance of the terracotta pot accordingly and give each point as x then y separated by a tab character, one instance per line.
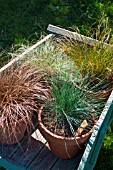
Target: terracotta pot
11	133
64	148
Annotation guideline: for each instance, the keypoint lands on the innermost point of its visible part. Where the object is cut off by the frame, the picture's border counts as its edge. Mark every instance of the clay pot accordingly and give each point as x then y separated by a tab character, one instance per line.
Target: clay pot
63	147
11	133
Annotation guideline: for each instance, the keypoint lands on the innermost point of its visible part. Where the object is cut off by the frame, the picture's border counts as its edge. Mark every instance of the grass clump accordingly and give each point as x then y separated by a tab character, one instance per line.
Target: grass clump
52	58
22	91
70	105
98	61
95	59
19	90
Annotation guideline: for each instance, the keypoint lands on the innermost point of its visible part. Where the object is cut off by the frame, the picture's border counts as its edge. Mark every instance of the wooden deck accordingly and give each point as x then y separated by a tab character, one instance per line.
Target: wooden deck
33	153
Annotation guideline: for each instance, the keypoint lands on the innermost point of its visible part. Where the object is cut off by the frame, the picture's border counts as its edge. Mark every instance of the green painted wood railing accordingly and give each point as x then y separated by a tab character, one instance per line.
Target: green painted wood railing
93	147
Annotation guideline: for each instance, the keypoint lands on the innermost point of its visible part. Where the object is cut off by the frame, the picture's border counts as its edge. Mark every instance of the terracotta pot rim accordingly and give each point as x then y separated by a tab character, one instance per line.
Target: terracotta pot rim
57	136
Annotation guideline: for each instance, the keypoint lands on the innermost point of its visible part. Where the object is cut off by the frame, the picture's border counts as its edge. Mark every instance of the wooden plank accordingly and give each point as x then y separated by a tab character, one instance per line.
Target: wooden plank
94	144
9	150
10	165
38	136
70	164
5	150
23	152
25	53
30	130
74	35
44	160
28	151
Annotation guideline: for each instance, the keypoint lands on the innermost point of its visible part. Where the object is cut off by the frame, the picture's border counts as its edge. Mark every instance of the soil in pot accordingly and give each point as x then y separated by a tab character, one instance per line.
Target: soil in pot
61	143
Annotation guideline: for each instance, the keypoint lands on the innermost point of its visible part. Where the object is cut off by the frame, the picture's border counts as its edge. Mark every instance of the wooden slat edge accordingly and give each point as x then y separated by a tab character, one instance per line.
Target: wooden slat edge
74	35
26	135
27	51
94	142
10	165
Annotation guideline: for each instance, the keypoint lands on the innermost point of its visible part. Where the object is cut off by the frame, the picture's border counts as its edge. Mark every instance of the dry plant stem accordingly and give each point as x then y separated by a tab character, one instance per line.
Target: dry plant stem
82	127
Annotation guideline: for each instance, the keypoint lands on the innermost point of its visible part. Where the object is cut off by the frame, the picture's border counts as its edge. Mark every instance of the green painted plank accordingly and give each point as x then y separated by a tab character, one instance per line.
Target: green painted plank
10	165
94	144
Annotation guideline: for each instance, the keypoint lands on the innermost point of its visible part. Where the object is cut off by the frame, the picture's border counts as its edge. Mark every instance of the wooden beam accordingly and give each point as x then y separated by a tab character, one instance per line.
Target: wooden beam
93	147
26	52
74	35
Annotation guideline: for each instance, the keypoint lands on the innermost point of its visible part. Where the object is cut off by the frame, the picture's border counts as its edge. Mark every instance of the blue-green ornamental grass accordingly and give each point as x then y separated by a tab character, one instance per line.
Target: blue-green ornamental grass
71	104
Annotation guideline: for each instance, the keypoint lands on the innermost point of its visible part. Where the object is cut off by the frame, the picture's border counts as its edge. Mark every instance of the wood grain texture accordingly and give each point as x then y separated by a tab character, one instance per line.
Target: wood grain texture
74	35
71	164
44	161
28	151
5	150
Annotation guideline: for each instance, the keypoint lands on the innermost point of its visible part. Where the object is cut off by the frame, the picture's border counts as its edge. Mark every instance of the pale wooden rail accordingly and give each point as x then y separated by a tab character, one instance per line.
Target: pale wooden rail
74	35
26	52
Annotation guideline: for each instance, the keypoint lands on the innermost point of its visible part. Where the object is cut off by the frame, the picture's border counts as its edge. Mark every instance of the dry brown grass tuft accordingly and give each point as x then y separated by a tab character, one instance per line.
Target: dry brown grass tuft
22	90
